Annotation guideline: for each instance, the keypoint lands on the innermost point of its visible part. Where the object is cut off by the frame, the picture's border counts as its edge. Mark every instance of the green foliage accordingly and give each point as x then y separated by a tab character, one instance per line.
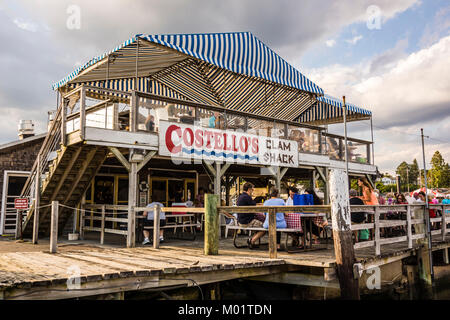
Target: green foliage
440	172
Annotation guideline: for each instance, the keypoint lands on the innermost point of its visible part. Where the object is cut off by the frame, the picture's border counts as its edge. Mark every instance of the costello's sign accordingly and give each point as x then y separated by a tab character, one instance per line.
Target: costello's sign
194	142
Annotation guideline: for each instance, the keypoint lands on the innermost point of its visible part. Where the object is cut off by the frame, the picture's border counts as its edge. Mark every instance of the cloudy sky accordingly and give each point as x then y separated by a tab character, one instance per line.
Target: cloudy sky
392	57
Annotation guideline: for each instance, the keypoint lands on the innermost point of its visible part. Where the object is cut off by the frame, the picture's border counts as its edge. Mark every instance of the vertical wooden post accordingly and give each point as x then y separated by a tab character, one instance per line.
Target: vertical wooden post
409	226
102	232
131	225
445	252
377	232
54	228
63	123
443	224
211	224
82	214
37	194
83	113
133	112
156	226
116	125
272	234
18	234
342	234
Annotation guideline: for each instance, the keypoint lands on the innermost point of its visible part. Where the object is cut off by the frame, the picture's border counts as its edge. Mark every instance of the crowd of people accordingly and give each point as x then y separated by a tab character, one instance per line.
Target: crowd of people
254	220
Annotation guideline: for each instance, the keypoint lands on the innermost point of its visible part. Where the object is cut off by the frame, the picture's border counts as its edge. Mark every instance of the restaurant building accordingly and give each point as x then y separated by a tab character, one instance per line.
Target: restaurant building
159	117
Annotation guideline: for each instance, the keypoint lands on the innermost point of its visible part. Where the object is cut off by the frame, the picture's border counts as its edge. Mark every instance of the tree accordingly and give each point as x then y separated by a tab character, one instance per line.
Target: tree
439	173
402	172
413	172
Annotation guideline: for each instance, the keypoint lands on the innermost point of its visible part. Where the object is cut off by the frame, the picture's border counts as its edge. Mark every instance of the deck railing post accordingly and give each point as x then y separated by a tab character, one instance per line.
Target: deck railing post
342	235
54	227
377	231
37	194
131	223
211	224
443	224
83	113
409	226
102	231
18	234
272	234
82	214
63	123
156	226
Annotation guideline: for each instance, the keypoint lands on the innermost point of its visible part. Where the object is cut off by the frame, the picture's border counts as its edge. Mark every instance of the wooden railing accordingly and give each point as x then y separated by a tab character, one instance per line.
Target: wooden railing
379	223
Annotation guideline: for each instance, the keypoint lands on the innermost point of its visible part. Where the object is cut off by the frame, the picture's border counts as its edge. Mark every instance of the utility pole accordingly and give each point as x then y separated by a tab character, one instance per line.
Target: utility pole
427	215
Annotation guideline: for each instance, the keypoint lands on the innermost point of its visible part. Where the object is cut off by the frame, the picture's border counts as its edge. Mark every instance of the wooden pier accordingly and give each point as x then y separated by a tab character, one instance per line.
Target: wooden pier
90	270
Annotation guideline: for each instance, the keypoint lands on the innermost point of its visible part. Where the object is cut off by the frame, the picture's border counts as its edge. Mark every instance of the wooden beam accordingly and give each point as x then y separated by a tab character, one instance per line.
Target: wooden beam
37	194
120	157
272	234
211	224
66	173
156	227
224	168
54	228
210	168
299	279
342	234
132	193
81	172
102	232
146	159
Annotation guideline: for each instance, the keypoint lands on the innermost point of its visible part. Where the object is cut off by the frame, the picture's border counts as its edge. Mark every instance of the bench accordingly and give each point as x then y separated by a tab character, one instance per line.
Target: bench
289	232
176	225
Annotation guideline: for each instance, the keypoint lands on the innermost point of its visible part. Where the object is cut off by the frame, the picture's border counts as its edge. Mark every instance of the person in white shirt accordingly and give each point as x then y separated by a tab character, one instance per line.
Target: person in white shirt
290	199
148	222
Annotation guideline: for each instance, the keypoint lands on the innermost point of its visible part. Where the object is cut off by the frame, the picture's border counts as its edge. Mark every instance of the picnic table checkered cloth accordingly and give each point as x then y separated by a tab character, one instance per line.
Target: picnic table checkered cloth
293	220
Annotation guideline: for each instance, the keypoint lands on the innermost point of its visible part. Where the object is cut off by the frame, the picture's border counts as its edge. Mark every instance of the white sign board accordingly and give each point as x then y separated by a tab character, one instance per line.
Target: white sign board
180	140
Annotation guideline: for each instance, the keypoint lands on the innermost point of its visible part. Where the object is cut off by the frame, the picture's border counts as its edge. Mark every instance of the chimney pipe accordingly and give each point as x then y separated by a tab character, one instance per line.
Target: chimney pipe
26	129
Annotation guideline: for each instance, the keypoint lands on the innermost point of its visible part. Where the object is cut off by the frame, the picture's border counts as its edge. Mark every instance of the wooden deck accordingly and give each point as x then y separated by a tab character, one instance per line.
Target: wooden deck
109	269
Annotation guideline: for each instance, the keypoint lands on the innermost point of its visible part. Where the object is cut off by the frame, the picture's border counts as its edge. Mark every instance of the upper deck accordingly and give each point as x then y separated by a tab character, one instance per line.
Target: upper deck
139	120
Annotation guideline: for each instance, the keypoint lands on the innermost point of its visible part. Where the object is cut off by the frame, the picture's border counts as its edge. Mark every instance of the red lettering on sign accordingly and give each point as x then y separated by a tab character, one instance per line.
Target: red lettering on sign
169	142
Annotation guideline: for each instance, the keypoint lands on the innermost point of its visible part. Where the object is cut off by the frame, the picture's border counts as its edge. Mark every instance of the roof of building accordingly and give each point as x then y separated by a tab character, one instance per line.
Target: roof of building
5	146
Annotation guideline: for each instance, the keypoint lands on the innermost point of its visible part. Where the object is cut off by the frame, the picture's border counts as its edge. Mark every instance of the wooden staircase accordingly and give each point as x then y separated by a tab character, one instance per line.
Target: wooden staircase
66	180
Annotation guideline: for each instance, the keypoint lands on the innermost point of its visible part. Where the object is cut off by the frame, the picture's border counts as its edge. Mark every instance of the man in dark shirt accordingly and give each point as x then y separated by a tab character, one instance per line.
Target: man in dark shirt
356	217
249	220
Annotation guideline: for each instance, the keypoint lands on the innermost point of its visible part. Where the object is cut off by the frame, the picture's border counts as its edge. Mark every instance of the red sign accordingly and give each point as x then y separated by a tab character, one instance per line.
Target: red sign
21	203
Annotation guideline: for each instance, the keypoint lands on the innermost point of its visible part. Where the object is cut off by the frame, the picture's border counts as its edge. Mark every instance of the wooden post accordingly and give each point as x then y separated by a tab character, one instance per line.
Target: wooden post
102	232
409	226
272	234
19	225
63	123
156	227
443	224
342	234
377	232
211	224
445	252
54	228
83	113
37	194
82	213
131	225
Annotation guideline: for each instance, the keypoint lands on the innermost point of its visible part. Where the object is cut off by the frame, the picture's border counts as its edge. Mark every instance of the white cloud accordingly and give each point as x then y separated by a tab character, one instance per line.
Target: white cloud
330	43
354	40
24	25
413	92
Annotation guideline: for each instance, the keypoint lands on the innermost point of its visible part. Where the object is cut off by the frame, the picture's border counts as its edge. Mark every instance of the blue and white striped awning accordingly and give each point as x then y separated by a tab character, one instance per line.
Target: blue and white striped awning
234	70
329	110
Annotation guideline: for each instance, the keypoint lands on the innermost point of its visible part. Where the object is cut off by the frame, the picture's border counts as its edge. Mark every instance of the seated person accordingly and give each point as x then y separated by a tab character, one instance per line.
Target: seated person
148	222
150	123
356	217
249	220
275	200
290	202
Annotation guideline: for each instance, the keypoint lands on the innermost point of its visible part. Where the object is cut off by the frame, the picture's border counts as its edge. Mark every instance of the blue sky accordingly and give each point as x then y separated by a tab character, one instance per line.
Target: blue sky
408	25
